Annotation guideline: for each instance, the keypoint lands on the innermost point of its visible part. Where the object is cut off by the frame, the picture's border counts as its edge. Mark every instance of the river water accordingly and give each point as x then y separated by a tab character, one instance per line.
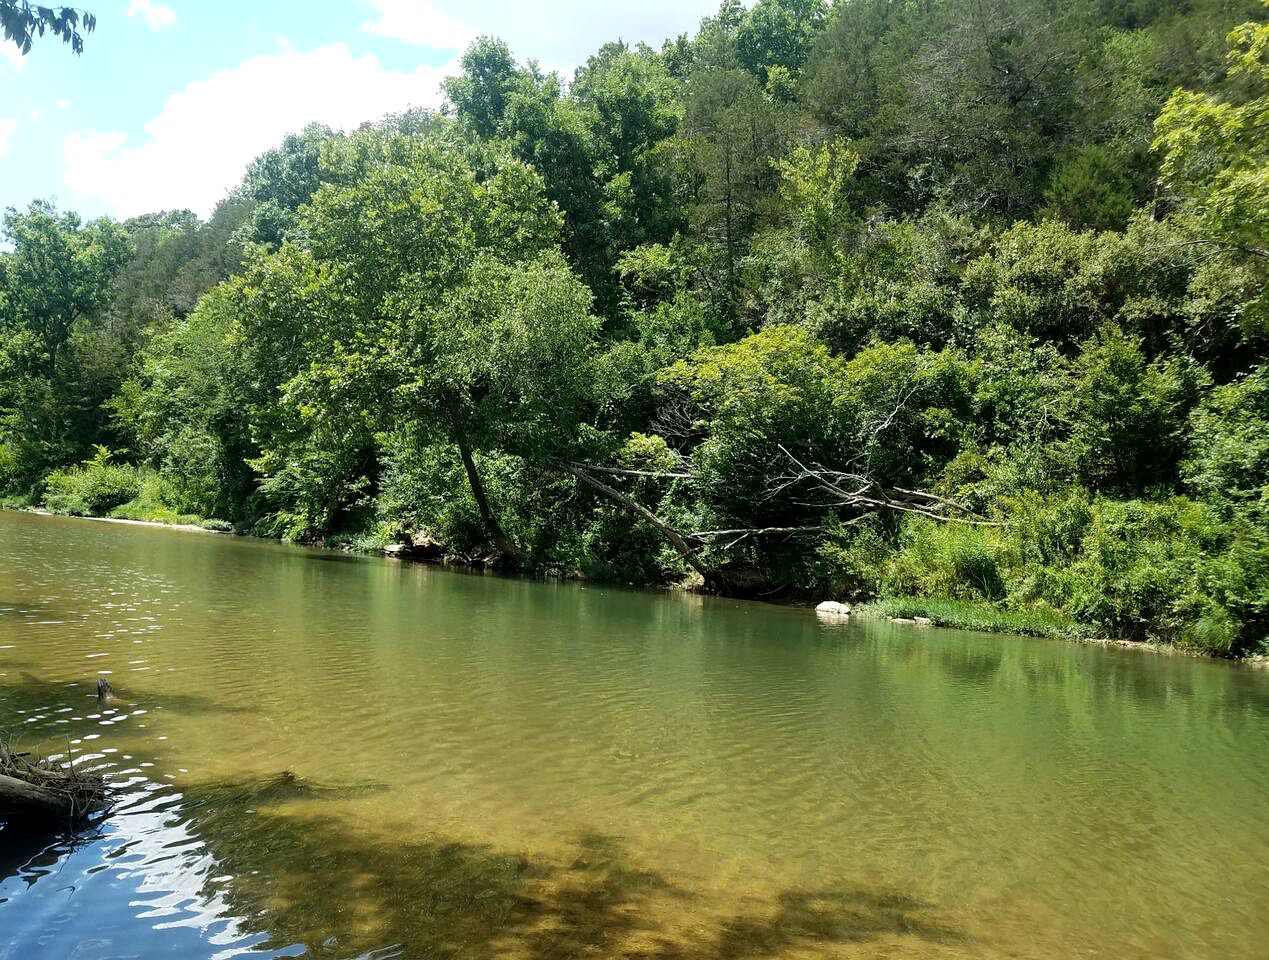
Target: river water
336	756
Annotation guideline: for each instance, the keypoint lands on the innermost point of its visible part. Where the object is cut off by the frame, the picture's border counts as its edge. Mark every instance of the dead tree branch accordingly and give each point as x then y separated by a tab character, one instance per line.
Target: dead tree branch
676	539
858	492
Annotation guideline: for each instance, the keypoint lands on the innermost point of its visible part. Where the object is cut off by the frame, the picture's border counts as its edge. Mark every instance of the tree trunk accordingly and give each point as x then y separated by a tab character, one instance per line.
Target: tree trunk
492	527
630	503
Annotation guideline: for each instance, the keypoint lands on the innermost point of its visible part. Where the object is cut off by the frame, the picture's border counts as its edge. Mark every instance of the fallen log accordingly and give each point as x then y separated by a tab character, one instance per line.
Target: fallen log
34	788
20	796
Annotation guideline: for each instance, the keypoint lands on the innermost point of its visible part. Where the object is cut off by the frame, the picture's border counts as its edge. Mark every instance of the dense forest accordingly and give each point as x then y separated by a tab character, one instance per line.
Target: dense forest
959	304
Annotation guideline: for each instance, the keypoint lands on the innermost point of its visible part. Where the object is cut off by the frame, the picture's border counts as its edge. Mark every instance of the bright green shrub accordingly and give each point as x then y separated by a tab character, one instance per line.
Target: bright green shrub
192	468
1229	441
946	560
93	488
852	565
1172	571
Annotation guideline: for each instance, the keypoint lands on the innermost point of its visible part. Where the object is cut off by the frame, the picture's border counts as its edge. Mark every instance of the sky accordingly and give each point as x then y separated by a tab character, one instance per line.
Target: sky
171	100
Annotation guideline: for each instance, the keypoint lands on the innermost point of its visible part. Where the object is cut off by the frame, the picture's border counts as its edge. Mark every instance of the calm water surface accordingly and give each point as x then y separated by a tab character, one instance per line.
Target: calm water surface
340	757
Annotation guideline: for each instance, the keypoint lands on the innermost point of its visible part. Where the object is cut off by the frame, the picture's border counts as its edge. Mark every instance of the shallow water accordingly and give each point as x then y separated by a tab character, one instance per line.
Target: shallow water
339	756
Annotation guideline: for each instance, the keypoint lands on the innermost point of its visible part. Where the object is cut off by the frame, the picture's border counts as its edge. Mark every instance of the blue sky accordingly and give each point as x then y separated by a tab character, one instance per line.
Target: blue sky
171	100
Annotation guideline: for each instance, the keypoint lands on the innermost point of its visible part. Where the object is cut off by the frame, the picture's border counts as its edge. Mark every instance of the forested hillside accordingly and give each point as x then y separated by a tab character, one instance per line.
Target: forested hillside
955	300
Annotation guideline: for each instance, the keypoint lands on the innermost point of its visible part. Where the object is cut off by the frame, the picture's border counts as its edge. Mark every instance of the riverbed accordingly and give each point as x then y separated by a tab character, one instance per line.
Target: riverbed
340	756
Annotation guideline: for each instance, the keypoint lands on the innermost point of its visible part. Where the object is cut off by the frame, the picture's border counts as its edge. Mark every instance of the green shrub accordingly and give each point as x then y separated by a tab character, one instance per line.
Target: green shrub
9	467
192	471
93	488
853	565
153	502
1175	571
946	560
1229	441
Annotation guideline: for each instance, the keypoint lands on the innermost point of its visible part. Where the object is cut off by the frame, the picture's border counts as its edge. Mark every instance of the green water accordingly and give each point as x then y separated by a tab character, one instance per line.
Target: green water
353	757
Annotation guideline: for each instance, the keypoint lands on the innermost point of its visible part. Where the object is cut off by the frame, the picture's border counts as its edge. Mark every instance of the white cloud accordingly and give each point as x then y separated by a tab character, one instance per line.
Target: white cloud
157	16
7	126
200	144
63	104
418	22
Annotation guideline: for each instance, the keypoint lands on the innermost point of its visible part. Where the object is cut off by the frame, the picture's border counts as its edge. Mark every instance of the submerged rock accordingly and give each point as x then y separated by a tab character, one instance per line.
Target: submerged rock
831	608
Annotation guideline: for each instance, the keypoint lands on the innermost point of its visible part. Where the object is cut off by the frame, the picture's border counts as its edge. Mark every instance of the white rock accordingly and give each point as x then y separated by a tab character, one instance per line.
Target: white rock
923	621
831	608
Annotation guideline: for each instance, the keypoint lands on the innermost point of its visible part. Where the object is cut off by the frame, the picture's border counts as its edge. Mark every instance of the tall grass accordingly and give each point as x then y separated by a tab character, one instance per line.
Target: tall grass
968	615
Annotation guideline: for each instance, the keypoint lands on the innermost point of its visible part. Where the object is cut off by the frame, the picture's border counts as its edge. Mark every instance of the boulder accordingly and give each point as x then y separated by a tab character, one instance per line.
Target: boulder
831	608
423	547
923	621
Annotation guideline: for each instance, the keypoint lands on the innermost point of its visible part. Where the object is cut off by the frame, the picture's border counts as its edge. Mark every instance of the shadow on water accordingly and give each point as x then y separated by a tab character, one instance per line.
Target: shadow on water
36	695
311	879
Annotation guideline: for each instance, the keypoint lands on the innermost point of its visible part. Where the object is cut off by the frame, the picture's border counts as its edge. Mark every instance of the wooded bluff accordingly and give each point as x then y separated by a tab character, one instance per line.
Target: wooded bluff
959	304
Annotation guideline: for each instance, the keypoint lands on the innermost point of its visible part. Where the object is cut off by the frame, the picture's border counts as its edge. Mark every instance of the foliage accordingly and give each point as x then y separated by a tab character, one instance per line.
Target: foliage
1229	442
93	488
23	22
955	306
1216	158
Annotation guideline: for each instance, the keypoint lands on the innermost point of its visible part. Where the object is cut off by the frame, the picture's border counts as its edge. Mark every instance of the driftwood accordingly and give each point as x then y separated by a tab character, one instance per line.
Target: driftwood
857	493
35	788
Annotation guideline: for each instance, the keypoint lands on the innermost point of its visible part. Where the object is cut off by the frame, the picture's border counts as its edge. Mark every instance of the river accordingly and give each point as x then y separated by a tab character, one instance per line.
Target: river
339	756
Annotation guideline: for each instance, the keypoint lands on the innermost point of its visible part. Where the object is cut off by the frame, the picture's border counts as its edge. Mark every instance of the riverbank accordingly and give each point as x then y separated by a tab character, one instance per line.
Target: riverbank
964	615
206	526
936	611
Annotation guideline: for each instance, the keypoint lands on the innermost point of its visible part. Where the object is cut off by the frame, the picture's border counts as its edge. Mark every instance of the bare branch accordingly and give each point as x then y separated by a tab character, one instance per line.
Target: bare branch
630	503
621	472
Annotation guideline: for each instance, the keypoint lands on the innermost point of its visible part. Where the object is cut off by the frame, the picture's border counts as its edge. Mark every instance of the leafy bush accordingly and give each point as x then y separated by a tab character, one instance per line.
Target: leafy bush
93	488
153	502
946	560
1229	441
1174	572
191	469
853	565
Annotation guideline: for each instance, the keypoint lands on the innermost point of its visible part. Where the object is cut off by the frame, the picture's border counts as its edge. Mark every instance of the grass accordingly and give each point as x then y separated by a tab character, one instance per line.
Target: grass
967	615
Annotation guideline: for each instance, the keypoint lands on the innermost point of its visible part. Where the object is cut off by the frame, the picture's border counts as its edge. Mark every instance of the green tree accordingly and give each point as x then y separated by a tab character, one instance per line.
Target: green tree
1216	156
731	133
479	93
779	33
426	293
282	180
58	271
